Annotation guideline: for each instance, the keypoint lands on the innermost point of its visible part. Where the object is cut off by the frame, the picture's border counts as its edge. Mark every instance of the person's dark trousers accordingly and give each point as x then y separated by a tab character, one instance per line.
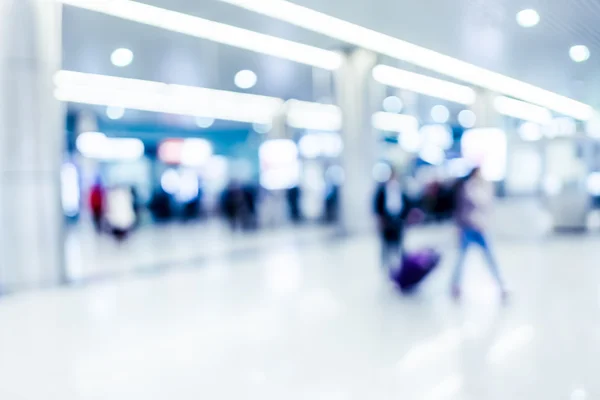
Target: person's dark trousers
392	236
97	218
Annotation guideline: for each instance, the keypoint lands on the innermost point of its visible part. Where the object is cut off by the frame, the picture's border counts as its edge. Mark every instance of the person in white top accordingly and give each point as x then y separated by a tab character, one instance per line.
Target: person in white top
120	214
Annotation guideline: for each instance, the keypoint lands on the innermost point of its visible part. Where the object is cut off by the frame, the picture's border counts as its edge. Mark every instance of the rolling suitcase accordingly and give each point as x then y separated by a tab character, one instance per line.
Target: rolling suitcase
414	268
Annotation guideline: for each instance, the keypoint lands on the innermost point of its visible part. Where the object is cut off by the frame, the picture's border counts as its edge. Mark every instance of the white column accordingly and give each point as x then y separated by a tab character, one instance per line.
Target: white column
353	95
487	116
31	145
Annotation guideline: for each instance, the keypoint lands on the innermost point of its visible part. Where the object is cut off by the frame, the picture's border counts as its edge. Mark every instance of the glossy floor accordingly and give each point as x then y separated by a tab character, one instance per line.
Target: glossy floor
315	321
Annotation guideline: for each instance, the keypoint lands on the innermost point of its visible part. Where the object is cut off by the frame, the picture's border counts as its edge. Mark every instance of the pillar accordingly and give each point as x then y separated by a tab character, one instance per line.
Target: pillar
31	146
487	116
353	97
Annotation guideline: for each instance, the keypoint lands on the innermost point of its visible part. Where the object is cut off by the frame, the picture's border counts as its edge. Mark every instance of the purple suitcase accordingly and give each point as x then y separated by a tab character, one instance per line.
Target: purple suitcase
415	266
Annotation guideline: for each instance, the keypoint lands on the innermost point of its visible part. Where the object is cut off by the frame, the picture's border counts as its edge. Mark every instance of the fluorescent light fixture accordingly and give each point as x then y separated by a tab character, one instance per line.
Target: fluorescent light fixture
278	152
426	85
579	53
467	118
320	144
121	57
440	114
399	49
313	116
96	145
522	110
160	97
391	122
245	79
204	104
528	18
211	30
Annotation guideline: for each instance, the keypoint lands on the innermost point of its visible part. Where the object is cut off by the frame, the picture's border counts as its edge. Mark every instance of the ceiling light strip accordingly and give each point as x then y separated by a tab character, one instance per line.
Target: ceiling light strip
103	90
522	110
214	31
424	84
399	49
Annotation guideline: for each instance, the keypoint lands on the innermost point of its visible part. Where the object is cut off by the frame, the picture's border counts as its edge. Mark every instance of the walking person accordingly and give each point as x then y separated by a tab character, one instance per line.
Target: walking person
392	208
474	196
120	215
97	200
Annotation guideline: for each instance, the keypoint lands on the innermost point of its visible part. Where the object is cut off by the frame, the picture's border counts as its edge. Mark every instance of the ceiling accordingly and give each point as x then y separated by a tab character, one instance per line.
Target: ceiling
483	32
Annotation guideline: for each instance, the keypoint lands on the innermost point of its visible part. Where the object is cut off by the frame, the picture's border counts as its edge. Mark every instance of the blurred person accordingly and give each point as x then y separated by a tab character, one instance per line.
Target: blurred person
392	208
474	197
160	206
97	200
120	215
135	202
251	199
430	198
331	203
293	195
191	209
234	205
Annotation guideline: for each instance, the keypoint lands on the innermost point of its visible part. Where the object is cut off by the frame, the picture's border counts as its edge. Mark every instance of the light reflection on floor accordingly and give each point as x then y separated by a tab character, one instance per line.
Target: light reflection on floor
315	322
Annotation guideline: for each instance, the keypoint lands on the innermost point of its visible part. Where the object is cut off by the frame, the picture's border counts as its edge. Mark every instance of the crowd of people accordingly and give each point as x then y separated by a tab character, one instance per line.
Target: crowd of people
117	210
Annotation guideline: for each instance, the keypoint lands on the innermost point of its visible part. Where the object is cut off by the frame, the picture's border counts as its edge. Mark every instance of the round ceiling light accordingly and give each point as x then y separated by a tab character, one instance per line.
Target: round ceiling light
393	104
528	18
579	53
121	57
204	122
261	128
530	132
245	79
440	114
115	112
467	119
